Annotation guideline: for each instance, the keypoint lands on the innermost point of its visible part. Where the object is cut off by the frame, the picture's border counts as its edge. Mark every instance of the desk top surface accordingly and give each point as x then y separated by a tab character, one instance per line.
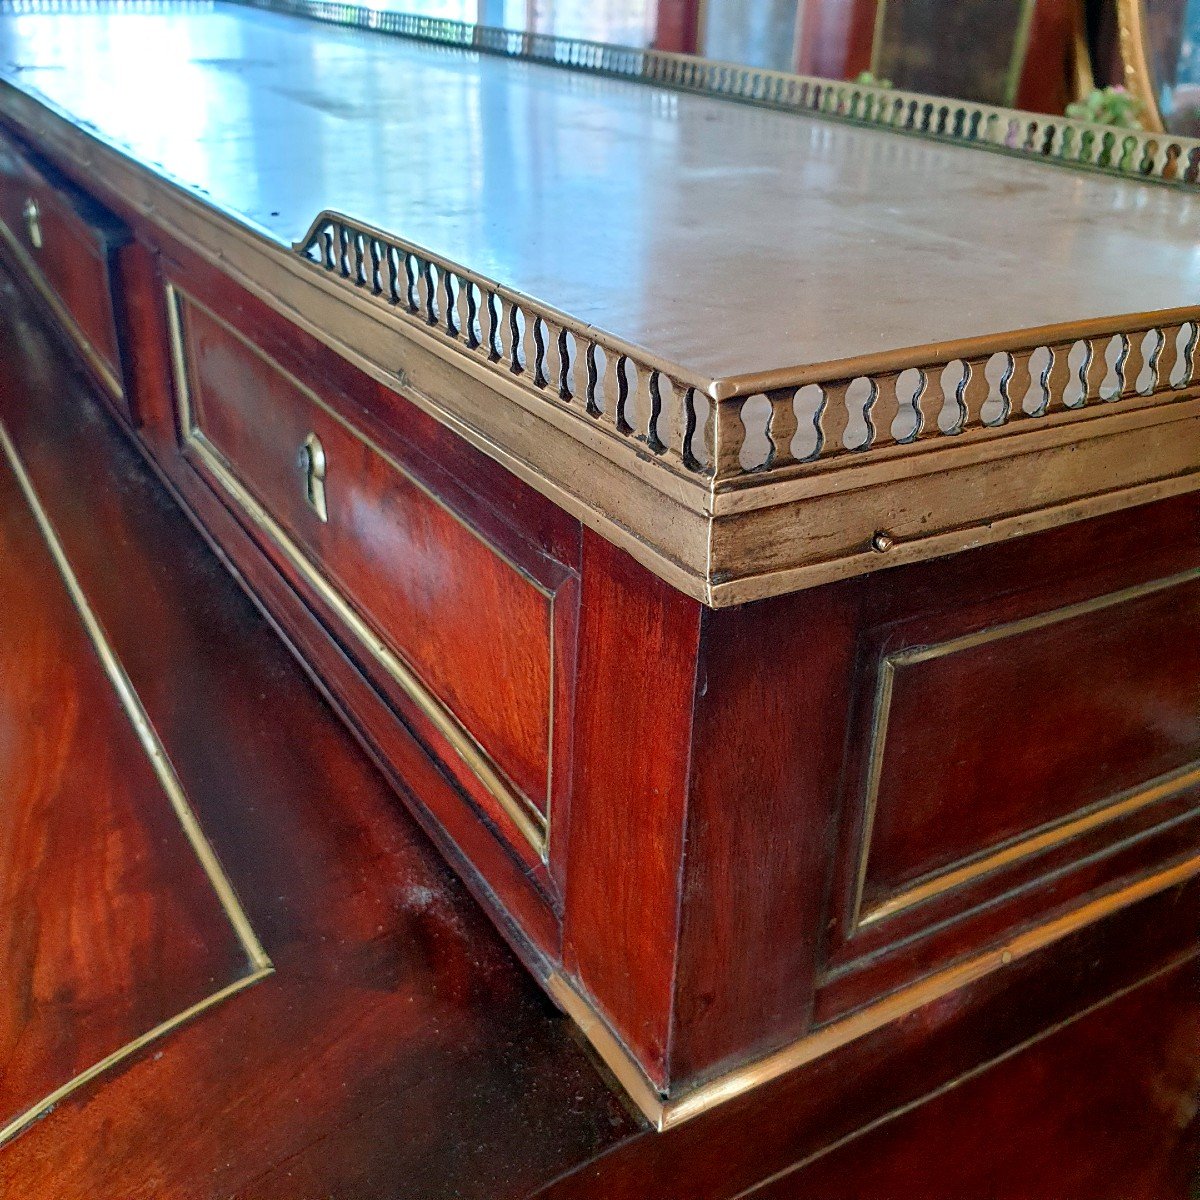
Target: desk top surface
725	238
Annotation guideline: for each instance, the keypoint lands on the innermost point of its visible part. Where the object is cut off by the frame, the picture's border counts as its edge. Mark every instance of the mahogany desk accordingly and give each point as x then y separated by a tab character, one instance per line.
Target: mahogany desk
759	547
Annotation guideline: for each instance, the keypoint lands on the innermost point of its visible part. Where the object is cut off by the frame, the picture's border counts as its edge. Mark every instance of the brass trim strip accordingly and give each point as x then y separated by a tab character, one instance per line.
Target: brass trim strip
1122	805
1043	838
880	717
546	443
528	820
665	1113
131	703
62	314
178	294
646	1098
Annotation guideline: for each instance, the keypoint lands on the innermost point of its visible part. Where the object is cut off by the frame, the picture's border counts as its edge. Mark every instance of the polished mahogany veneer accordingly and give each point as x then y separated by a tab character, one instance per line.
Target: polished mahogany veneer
947	787
796	843
394	1047
470	617
389	1045
689	924
112	925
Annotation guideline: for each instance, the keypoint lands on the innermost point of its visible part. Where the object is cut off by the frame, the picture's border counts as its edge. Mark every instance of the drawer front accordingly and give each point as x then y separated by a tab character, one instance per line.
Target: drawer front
456	624
959	783
67	245
1001	771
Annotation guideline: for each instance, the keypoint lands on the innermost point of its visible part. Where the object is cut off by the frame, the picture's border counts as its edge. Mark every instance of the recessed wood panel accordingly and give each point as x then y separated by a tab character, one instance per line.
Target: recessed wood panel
66	244
112	929
464	623
1009	741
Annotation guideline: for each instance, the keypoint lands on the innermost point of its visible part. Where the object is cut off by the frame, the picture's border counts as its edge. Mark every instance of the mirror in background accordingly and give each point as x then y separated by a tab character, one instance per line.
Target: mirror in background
1129	63
1154	47
1029	54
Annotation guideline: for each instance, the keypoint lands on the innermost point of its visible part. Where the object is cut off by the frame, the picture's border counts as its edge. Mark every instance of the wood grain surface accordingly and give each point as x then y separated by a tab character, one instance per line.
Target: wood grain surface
398	1049
111	927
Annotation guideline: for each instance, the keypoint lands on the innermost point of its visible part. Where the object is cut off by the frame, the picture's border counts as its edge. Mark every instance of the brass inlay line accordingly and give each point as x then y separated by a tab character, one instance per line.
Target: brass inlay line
523	813
62	314
169	781
880	717
177	297
665	1113
1126	457
1130	801
48	1103
1122	804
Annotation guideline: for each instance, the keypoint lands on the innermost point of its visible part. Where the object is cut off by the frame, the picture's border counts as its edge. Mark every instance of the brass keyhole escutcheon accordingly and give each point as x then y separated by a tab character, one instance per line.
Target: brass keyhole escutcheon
33	222
312	463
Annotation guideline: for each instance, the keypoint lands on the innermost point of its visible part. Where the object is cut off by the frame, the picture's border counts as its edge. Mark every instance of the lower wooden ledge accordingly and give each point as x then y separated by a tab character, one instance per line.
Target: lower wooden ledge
665	1111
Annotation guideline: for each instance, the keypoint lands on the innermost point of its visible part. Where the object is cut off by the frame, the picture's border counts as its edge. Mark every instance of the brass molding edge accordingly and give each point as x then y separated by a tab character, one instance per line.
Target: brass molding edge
260	964
1174	964
342	321
1132	800
531	824
609	1048
1032	842
756	429
938	539
664	1112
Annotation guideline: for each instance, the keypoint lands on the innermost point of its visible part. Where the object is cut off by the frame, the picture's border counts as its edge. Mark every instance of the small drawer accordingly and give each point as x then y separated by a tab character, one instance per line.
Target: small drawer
67	245
1004	769
464	627
993	746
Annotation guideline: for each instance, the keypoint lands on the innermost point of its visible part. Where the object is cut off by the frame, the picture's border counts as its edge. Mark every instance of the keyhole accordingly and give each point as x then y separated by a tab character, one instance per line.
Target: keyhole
33	222
312	463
